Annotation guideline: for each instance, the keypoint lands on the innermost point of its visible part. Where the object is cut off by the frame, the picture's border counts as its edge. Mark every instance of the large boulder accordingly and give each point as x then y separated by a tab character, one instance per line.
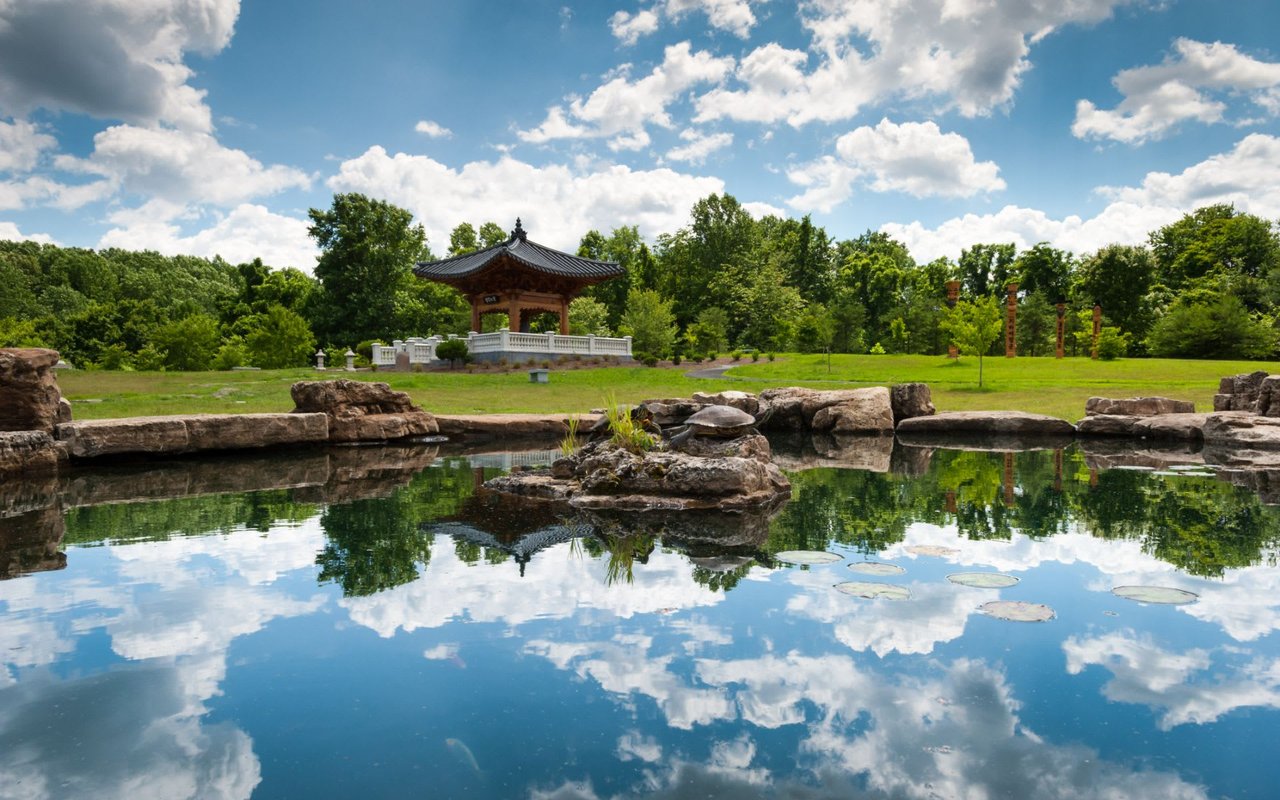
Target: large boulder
1178	427
360	411
604	476
911	400
189	434
1137	406
865	412
25	453
1268	402
1107	425
1001	423
741	400
785	406
1234	429
1239	392
29	395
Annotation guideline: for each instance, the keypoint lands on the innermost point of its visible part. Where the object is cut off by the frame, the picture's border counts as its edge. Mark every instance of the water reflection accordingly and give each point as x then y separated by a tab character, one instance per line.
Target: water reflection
191	647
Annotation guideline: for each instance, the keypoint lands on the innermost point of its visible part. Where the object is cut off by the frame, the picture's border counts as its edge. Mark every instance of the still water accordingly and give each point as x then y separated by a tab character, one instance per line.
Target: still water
365	624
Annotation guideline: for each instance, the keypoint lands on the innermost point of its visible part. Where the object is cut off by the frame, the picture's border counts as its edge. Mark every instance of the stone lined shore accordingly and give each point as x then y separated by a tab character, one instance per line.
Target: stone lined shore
37	434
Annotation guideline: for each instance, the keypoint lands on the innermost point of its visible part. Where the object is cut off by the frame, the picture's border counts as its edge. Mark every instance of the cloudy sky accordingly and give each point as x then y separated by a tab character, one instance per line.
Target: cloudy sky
210	127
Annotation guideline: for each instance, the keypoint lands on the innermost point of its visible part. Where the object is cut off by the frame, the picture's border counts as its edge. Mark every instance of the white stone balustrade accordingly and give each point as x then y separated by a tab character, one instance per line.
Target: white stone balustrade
504	343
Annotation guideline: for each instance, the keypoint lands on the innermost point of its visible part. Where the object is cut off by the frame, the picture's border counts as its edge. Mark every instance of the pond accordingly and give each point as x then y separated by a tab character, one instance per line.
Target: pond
365	624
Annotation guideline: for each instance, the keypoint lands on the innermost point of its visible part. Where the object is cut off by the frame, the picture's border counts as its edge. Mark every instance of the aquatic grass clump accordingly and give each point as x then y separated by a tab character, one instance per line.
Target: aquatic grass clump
569	444
625	431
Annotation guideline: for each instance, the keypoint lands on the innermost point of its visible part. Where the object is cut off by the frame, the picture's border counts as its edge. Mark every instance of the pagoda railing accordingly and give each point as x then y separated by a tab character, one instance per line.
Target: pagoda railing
503	343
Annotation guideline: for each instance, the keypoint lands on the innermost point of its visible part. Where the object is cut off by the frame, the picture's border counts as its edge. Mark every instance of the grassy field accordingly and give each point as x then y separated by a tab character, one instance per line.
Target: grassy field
1041	385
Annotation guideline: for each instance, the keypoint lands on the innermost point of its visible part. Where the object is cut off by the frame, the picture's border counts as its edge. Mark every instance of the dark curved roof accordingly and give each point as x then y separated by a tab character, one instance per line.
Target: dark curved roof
531	254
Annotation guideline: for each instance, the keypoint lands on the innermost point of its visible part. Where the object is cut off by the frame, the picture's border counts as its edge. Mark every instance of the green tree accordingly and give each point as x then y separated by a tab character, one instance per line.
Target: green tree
279	338
650	323
368	249
974	326
1219	246
188	344
709	333
1120	278
588	316
463	240
1045	270
985	269
1198	326
815	330
491	234
1037	325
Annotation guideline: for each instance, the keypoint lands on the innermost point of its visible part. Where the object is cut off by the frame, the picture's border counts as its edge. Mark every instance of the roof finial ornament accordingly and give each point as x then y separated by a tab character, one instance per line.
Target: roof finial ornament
518	233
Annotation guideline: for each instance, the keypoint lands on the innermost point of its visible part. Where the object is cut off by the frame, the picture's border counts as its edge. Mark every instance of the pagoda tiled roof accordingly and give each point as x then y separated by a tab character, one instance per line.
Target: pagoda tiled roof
537	257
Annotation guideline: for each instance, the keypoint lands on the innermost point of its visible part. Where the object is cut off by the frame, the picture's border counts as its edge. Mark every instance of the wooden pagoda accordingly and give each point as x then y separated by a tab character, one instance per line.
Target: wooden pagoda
520	278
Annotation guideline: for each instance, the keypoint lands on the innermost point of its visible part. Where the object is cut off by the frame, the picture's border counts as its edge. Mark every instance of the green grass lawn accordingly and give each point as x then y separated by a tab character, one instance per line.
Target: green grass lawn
1042	385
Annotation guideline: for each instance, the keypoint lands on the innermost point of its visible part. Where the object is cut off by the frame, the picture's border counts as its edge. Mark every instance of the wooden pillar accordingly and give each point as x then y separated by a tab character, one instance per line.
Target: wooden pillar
513	314
1060	350
475	315
1097	329
953	295
564	316
1011	327
951	503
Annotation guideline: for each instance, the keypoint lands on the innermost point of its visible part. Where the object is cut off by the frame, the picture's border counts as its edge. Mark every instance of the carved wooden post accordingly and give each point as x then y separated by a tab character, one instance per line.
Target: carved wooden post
1097	329
953	295
1011	327
1060	351
1057	470
951	503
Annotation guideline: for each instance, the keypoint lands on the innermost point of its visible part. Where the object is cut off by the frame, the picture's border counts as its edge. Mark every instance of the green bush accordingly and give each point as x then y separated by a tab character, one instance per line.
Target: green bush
736	355
876	350
755	356
651	361
676	359
453	351
231	354
188	344
1211	327
770	356
1112	344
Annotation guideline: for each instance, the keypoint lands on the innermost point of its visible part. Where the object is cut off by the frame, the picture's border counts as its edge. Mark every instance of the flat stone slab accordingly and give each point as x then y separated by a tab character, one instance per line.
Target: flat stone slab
1001	423
1137	406
514	426
1174	427
190	433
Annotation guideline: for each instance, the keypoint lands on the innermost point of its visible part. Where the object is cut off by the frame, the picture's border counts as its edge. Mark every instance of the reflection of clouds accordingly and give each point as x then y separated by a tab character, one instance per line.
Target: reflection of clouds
634	745
1245	602
1147	674
955	733
174	606
624	667
559	585
936	613
132	737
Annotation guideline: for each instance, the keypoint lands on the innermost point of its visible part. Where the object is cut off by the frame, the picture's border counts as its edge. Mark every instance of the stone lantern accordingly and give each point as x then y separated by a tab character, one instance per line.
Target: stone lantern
320	359
351	360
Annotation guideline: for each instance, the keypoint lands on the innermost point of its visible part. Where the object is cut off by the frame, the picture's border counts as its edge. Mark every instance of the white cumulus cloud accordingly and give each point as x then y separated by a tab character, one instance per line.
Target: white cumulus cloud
558	203
960	55
9	232
1248	175
1157	98
698	145
621	109
247	232
733	16
432	129
916	158
21	145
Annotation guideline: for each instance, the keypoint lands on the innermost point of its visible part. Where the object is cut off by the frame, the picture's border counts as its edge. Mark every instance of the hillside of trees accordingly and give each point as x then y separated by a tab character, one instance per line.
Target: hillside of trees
1206	286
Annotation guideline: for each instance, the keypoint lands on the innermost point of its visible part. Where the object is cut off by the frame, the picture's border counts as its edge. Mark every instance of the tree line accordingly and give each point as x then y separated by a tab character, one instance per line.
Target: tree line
1205	286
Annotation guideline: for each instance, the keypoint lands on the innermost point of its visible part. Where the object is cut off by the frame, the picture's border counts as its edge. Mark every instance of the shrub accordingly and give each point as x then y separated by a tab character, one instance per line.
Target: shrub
188	344
232	354
1112	344
737	355
755	356
770	356
876	350
651	361
676	359
149	359
280	338
712	355
453	351
638	355
546	363
696	359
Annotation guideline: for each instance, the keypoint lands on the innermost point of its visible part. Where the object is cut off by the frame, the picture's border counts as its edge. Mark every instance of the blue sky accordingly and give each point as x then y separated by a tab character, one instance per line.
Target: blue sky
211	126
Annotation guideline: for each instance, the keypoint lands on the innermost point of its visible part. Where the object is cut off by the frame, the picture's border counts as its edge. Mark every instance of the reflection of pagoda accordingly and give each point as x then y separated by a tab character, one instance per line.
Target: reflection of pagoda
518	529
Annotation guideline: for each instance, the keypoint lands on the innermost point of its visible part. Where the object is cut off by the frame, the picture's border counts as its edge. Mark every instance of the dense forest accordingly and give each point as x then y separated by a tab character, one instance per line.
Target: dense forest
1205	286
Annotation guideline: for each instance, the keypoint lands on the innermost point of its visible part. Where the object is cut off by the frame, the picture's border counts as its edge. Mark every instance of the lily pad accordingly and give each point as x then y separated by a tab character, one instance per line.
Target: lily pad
936	550
1017	611
983	580
807	557
872	590
1166	595
876	568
